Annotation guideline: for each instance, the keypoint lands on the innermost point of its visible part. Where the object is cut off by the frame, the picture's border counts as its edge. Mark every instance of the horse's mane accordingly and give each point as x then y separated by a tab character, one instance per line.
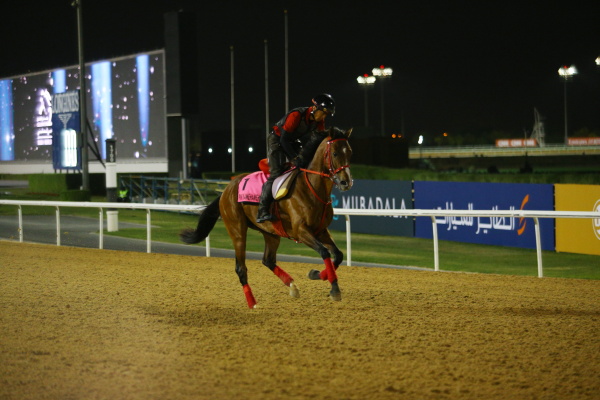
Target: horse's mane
318	137
336	133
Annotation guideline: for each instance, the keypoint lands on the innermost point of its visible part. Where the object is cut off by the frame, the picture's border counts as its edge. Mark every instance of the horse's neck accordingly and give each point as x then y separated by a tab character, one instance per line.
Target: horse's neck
321	184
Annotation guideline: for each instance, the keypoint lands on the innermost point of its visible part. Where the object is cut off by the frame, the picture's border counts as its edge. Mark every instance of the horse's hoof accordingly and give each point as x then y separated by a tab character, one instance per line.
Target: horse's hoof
335	296
314	274
294	291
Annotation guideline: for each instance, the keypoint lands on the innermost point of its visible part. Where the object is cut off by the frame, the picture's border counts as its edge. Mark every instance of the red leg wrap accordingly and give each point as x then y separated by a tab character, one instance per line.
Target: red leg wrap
249	296
284	276
323	275
330	269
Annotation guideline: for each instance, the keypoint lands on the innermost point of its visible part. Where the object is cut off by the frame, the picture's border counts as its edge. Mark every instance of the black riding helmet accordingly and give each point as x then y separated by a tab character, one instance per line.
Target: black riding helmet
325	103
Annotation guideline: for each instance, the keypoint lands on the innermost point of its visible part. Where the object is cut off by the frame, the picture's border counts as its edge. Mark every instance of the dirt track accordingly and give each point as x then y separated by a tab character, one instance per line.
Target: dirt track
99	324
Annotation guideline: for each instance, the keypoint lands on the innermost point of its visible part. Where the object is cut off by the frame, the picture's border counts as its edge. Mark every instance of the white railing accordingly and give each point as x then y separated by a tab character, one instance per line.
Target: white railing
536	215
347	212
101	207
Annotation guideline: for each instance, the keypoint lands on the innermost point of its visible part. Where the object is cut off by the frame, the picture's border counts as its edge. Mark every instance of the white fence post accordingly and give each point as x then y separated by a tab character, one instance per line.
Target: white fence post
436	249
20	224
148	232
538	246
57	226
348	242
101	229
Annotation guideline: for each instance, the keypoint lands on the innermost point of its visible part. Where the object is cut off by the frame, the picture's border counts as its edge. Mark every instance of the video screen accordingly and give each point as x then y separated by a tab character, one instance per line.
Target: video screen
125	102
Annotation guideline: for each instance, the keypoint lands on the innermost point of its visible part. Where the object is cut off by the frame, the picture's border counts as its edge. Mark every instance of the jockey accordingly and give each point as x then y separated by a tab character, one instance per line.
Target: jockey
284	142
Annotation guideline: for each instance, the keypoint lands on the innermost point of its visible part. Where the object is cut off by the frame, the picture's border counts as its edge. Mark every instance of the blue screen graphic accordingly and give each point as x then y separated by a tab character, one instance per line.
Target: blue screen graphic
125	102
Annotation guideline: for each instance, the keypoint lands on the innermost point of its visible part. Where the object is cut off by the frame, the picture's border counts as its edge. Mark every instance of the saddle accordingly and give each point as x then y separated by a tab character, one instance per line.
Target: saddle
250	186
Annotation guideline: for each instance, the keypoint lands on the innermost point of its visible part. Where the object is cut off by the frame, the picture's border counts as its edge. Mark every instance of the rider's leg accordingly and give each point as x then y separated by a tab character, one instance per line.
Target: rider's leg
276	162
264	206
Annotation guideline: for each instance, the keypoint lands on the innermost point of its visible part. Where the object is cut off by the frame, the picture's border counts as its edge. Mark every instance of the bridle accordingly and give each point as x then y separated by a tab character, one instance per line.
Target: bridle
328	160
332	175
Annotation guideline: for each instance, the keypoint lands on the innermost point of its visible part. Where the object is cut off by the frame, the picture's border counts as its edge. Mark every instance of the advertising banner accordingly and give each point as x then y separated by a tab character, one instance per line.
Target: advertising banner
578	235
501	231
516	143
375	194
66	153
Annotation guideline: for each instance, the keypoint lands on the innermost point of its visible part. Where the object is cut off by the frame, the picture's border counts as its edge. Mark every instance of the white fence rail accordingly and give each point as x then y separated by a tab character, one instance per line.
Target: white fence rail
432	214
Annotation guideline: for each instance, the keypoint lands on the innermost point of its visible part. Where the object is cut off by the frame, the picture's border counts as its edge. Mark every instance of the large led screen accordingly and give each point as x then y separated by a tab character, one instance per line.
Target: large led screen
125	101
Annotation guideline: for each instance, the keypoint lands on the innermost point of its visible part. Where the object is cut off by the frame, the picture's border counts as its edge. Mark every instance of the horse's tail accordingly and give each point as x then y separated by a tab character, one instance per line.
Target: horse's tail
206	223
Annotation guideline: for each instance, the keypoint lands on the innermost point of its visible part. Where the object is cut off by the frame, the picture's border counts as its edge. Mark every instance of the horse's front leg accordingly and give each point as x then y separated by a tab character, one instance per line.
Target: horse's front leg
329	272
270	261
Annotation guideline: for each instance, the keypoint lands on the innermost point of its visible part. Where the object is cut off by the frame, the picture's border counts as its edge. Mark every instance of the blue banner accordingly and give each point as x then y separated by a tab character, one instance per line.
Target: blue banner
371	195
66	152
501	231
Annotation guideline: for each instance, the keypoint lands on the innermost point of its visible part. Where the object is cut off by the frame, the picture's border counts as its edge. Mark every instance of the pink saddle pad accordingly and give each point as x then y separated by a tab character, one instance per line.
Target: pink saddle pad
250	188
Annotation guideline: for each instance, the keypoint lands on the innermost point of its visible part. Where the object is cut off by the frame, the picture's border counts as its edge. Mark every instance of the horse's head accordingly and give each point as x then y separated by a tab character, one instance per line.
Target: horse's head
337	155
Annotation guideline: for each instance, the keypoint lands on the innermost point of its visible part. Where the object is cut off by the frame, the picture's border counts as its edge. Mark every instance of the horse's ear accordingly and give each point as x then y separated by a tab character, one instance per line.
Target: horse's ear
349	132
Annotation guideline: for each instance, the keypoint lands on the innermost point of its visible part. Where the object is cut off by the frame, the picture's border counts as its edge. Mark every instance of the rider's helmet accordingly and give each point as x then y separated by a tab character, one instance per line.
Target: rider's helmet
325	103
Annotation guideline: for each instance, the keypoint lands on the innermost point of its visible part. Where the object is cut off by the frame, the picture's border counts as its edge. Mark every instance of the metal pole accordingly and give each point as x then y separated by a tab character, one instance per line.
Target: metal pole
366	107
565	100
85	184
267	127
184	147
382	110
232	114
287	71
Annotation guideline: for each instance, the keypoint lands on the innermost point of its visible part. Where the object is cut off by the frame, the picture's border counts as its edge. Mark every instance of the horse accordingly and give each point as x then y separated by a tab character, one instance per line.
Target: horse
303	215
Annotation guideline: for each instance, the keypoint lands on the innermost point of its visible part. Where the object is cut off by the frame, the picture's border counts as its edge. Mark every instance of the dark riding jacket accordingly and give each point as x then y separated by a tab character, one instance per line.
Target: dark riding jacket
294	126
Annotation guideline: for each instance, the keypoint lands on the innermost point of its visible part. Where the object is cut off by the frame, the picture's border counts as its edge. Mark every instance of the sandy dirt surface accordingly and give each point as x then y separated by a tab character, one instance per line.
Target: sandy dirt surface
99	324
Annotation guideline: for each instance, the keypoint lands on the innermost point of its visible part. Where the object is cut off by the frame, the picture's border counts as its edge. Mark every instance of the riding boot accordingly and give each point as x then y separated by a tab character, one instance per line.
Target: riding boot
264	205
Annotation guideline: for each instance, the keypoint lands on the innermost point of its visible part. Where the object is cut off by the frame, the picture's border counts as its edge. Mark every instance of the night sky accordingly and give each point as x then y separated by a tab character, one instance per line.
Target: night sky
460	67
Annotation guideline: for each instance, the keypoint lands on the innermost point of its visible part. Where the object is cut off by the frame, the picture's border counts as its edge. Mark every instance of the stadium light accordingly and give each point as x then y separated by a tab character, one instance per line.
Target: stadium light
383	73
567	74
366	81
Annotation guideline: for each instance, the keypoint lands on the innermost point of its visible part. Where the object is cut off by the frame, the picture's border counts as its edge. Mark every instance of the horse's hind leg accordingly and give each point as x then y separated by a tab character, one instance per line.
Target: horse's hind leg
270	261
242	272
238	229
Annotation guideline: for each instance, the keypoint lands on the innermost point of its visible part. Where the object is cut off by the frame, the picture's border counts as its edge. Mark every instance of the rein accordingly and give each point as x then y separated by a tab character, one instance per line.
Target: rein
332	171
331	175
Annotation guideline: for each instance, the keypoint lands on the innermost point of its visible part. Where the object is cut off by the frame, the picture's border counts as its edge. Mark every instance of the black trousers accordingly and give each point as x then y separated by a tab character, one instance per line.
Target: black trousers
277	160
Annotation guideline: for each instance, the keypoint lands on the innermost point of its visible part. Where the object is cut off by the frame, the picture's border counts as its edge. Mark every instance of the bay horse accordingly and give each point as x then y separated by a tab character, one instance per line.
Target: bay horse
303	216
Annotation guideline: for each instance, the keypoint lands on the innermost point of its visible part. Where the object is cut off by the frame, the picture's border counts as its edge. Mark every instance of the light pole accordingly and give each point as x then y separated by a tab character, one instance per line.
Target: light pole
566	73
421	138
85	174
382	72
366	81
